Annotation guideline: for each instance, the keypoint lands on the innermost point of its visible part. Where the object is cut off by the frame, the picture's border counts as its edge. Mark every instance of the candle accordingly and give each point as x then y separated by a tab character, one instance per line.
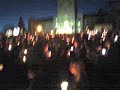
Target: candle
25	51
64	85
116	38
24	59
1	67
103	51
10	47
71	49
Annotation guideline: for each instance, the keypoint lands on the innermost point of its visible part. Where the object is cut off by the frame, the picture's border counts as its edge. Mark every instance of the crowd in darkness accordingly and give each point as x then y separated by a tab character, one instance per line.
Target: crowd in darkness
93	59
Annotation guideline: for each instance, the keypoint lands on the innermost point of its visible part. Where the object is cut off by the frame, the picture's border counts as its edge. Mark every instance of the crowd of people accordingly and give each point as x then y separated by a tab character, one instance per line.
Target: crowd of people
87	52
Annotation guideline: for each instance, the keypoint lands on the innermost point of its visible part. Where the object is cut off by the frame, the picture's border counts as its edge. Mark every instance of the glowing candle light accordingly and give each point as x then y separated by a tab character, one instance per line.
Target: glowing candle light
103	51
1	67
64	85
103	38
16	31
10	47
39	28
71	49
49	53
24	59
89	36
116	38
25	51
33	43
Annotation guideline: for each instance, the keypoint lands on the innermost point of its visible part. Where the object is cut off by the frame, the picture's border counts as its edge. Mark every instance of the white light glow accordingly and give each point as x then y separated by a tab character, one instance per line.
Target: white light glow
16	31
66	29
89	36
1	67
52	32
24	59
116	38
103	51
9	33
64	85
25	51
49	53
33	43
39	28
71	49
103	38
10	47
18	43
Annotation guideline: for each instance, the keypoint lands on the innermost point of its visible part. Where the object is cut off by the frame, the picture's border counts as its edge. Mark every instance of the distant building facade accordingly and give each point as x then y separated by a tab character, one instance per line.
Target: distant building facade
66	16
64	22
68	20
47	24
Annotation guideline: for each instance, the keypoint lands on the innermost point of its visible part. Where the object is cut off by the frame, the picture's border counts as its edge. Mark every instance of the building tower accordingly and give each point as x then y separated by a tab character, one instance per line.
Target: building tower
115	13
65	21
114	5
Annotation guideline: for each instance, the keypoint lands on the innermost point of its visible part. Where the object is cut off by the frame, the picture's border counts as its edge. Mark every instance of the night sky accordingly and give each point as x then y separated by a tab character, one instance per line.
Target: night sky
11	10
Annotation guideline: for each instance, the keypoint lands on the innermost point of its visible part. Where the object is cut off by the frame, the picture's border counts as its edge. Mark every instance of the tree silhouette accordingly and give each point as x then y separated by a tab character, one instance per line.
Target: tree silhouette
21	24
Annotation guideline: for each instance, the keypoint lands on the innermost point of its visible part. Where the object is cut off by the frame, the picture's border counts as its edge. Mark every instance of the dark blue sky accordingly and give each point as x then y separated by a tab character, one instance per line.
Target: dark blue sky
11	10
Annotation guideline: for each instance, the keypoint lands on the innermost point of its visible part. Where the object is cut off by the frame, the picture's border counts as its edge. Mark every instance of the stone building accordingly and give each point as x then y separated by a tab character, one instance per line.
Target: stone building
65	21
68	20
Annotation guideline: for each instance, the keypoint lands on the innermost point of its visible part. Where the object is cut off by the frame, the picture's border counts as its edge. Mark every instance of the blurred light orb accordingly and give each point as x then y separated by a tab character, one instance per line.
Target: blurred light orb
1	67
71	49
24	59
103	38
10	47
33	43
39	28
49	53
89	36
25	51
116	38
64	85
16	31
103	51
9	33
